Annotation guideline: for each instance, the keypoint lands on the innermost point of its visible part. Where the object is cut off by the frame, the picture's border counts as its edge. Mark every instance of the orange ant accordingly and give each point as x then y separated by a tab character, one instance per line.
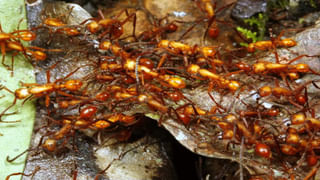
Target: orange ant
179	48
284	70
194	69
175	82
185	50
8	44
272	44
263	67
112	26
133	65
10	41
39	90
61	27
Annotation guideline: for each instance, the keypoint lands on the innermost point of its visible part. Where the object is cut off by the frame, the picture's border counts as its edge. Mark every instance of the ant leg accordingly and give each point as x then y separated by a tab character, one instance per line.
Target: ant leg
288	30
61	79
42	49
120	13
100	13
12	63
307	100
212	21
212	98
85	21
134	16
10	160
23	174
69	12
3	113
299	57
48	71
285	79
312	172
315	85
3	52
162	60
276	55
20	21
134	27
188	30
70	74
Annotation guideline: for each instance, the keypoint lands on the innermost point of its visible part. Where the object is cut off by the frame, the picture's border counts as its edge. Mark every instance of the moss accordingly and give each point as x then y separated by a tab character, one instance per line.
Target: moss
278	4
257	28
313	3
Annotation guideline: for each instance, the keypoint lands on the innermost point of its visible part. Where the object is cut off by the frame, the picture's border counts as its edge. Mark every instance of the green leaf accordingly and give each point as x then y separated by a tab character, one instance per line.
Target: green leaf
15	137
248	33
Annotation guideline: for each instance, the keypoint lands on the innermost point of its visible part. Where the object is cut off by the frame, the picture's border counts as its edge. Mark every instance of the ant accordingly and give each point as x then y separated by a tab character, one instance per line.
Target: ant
10	41
57	25
39	90
112	26
158	30
185	112
284	70
148	35
179	48
146	66
295	97
232	85
209	8
272	44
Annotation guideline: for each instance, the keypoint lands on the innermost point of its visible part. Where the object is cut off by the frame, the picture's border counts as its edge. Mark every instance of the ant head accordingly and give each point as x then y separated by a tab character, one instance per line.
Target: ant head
171	28
50	145
263	150
73	85
22	93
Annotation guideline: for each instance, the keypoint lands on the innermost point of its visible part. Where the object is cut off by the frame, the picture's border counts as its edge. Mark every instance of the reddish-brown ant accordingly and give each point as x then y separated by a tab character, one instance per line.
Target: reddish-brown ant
210	9
148	35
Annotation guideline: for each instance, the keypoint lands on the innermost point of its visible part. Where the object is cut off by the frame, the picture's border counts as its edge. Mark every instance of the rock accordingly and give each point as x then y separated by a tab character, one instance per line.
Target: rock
247	8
